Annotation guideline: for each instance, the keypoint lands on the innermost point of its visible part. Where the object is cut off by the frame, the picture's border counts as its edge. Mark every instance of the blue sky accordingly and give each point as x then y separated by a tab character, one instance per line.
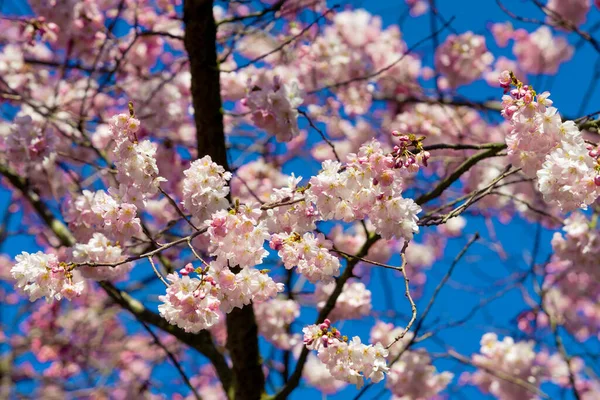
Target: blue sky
481	268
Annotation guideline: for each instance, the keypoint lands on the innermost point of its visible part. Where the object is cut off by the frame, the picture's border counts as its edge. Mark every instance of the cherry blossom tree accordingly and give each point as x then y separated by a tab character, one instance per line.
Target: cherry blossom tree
260	199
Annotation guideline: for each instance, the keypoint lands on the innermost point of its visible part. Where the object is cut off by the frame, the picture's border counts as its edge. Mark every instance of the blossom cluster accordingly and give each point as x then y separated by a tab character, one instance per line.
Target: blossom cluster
274	318
237	237
572	280
571	11
27	141
463	59
274	106
137	172
353	303
98	211
42	275
517	359
350	361
100	250
540	52
309	253
317	375
541	144
205	188
196	303
299	216
249	285
190	303
369	185
412	376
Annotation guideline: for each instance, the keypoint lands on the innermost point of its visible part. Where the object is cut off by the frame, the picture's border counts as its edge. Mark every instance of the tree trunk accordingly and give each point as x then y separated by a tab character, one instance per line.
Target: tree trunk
200	43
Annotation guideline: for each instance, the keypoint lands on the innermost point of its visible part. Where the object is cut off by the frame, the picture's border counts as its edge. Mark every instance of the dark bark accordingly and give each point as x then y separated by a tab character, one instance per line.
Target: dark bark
200	43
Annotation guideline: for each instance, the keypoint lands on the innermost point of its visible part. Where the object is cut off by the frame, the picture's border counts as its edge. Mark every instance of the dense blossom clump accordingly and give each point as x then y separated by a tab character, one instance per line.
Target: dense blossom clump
309	253
463	59
205	188
353	303
274	317
543	145
137	172
572	280
298	215
27	141
190	303
274	107
519	360
412	376
571	11
100	250
90	212
370	185
350	361
249	285
42	275
237	237
541	53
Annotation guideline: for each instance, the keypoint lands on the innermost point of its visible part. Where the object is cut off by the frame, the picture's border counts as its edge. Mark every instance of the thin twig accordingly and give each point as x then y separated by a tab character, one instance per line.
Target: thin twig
157	272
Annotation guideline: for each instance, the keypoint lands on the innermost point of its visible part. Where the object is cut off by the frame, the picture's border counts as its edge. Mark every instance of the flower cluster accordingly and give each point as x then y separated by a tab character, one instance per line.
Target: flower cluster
349	361
273	318
317	375
249	285
42	275
137	171
463	59
571	11
256	178
99	212
412	376
543	145
353	303
300	216
190	303
205	188
535	125
99	250
539	52
309	253
517	359
572	280
569	176
27	141
274	107
237	237
369	185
